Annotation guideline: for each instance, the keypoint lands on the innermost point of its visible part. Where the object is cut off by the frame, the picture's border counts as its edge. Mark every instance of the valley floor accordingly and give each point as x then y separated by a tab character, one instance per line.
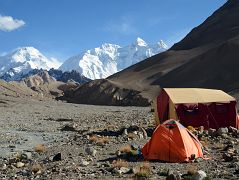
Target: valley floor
87	138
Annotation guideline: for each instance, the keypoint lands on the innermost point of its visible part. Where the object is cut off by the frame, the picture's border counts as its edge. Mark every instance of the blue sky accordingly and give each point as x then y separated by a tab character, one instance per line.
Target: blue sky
63	28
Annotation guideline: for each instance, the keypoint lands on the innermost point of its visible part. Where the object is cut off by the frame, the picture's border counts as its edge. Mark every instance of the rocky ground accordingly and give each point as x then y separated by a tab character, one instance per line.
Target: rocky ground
50	139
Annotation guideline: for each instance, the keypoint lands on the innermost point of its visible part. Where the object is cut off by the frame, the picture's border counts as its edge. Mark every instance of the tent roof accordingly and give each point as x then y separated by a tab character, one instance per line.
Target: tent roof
197	95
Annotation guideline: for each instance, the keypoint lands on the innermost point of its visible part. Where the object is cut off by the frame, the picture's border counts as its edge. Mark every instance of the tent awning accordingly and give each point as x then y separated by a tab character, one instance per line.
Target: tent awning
197	95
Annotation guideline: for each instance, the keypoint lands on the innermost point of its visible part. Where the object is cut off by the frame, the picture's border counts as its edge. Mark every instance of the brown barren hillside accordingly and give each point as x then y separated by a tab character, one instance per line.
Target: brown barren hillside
207	57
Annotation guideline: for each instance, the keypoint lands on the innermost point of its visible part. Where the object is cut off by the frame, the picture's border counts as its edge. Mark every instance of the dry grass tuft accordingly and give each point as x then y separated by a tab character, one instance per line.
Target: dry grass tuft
142	170
119	163
99	140
125	149
104	140
36	168
40	148
93	138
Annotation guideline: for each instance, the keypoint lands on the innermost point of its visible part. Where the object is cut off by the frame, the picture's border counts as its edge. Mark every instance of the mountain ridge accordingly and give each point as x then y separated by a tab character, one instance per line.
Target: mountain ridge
108	59
99	62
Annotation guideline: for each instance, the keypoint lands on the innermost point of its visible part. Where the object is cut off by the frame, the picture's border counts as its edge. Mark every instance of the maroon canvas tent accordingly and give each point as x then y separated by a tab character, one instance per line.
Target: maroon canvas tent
197	107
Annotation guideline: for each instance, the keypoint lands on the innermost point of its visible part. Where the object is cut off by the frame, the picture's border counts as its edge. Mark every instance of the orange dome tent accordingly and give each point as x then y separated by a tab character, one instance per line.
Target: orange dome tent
172	142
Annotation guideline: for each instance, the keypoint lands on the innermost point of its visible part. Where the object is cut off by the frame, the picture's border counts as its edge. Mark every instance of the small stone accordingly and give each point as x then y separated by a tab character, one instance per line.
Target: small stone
57	157
90	151
125	132
145	135
20	164
199	175
12	146
124	170
117	153
224	136
26	155
84	163
3	166
68	128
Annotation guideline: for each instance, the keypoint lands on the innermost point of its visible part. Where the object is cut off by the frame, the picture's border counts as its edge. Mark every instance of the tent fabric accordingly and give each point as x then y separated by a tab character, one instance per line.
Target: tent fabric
195	95
197	107
162	106
172	142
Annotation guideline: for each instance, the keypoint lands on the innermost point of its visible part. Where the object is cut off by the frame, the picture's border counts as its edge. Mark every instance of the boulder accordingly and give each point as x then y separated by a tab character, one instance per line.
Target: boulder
199	175
222	131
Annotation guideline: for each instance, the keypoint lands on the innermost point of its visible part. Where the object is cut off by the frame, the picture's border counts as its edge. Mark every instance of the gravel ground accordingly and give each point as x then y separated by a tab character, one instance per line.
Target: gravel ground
86	139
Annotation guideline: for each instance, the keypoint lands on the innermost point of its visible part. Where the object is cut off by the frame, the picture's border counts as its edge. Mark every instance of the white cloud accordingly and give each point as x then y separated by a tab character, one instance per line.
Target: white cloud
124	25
7	23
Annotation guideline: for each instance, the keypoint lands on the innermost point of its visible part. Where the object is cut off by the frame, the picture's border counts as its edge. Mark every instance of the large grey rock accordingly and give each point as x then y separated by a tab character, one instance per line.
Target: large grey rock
199	175
222	131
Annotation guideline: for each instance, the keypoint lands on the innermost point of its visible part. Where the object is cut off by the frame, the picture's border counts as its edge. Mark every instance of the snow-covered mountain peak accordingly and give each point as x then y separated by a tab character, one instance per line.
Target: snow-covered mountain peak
108	59
105	48
162	44
25	53
109	46
140	42
24	59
